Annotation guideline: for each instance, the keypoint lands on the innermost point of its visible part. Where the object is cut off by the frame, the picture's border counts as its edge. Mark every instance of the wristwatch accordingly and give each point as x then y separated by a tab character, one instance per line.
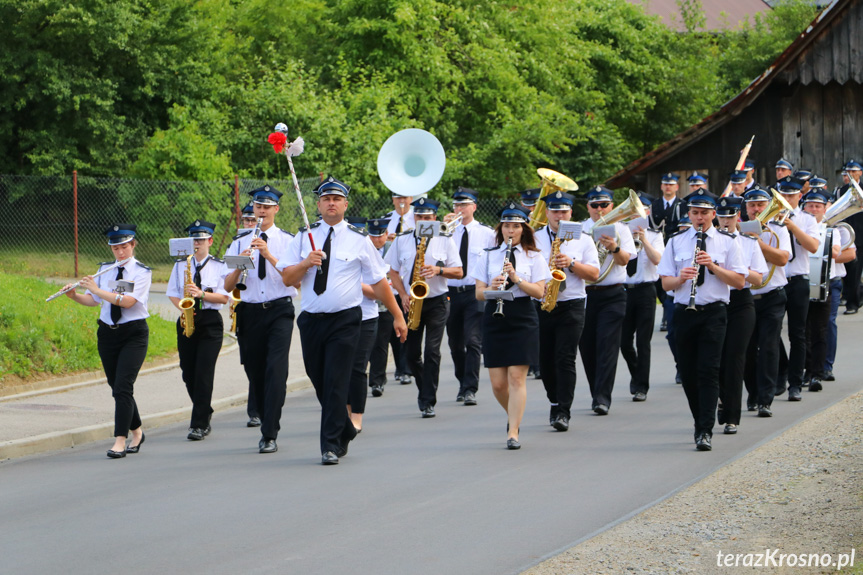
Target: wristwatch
615	250
518	283
440	270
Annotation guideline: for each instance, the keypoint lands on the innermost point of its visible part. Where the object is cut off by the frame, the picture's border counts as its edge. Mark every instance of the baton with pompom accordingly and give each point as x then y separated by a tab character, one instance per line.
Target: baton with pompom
279	139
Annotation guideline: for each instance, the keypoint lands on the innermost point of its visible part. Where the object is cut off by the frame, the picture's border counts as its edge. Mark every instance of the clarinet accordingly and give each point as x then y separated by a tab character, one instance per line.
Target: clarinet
498	312
241	284
700	239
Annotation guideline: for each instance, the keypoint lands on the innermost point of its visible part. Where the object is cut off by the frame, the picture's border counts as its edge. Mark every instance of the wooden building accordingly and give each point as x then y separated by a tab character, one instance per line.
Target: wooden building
807	107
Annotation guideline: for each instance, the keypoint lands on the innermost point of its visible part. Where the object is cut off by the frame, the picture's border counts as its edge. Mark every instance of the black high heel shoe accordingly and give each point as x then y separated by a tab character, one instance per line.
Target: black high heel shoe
116	454
136	448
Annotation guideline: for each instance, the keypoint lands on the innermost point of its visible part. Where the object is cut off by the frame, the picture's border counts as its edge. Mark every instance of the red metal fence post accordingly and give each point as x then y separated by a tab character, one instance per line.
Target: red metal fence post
75	215
237	198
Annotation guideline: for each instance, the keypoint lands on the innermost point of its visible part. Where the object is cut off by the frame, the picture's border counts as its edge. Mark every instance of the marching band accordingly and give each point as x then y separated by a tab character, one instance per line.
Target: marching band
728	268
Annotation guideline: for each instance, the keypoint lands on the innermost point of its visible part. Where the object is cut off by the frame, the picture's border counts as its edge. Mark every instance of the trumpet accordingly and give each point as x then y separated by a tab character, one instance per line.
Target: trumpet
241	284
76	284
450	226
498	312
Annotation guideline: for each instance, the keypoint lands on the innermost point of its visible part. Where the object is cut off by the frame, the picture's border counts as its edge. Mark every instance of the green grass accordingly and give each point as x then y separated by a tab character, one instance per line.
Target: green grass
58	337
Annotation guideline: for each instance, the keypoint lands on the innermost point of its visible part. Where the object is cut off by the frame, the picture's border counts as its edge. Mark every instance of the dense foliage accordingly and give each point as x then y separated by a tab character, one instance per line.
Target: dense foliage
182	89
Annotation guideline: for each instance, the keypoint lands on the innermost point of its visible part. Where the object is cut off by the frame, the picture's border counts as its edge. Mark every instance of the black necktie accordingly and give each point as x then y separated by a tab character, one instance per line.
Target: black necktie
703	246
462	253
632	266
511	259
197	279
399	227
262	263
321	278
117	311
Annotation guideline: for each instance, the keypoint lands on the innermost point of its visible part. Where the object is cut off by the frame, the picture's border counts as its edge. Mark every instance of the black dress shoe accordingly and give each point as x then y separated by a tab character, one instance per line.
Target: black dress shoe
469	398
702	442
195	434
377	390
460	397
794	394
261	443
730	429
329	458
751	407
269	446
512	443
815	384
116	454
561	423
677	379
405	379
136	448
536	375
601	409
427	412
764	411
663	326
828	376
640	396
849	311
208	430
254	422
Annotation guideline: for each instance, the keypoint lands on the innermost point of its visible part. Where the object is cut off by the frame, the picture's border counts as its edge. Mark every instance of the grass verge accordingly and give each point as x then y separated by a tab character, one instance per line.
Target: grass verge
39	339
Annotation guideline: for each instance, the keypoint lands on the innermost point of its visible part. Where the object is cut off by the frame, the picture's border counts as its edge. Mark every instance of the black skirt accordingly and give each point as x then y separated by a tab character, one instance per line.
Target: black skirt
512	339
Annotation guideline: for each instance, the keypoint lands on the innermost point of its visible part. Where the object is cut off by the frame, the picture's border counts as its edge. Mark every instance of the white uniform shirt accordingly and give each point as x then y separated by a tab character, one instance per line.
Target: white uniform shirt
133	271
844	237
530	267
800	264
617	275
753	259
479	237
723	249
212	278
408	222
271	287
372	307
778	280
353	261
582	250
645	272
440	251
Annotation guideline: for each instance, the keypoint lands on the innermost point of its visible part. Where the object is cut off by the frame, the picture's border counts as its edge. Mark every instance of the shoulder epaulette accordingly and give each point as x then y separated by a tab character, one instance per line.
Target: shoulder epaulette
241	234
492	249
215	259
361	231
445	235
287	233
105	263
747	237
486	226
724	233
677	233
315	224
143	266
406	232
179	260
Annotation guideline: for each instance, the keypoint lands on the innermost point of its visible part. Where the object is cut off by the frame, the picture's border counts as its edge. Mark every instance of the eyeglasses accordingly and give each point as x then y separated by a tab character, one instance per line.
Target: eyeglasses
599	205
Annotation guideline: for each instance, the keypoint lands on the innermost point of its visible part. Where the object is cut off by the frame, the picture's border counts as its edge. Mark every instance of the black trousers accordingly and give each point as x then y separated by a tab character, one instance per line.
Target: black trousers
122	351
359	387
464	333
251	402
638	326
425	367
851	283
700	335
559	334
816	336
791	365
400	352
741	324
762	357
198	355
329	339
379	351
265	343
600	341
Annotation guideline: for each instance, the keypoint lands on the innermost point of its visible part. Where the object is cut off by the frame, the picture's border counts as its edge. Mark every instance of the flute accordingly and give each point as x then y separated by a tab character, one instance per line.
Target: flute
76	284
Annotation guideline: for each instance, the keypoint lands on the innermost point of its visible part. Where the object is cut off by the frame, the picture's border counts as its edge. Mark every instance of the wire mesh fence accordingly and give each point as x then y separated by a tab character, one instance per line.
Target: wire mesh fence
53	226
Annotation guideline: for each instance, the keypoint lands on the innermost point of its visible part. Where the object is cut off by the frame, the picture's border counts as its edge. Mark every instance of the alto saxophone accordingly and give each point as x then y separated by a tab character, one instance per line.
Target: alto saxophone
419	289
187	304
235	299
549	298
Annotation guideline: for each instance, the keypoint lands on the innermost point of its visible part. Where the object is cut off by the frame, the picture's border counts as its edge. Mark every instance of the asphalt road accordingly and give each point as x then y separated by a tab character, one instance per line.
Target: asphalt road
414	495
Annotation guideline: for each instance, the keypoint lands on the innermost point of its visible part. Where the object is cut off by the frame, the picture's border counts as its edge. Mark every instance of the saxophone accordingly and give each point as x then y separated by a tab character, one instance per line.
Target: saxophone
187	304
549	298
235	299
419	289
